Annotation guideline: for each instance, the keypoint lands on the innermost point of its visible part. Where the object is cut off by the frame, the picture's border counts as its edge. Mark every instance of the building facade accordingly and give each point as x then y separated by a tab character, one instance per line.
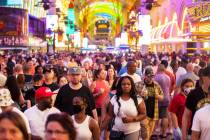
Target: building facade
181	25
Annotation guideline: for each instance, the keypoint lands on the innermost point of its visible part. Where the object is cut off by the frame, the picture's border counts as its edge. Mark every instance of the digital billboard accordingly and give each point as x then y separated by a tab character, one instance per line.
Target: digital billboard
145	28
13	21
52	22
71	22
14	2
13	27
10	2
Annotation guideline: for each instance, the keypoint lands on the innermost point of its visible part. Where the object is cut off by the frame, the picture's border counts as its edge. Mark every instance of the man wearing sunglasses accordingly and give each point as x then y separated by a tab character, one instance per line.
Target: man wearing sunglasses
155	94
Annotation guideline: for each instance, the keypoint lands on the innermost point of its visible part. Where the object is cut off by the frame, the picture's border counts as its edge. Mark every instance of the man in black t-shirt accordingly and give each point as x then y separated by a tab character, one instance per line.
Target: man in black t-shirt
30	94
196	100
66	94
48	77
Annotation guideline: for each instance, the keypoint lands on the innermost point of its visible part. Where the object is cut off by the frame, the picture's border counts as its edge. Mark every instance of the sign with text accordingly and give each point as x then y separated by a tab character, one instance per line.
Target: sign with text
16	41
199	12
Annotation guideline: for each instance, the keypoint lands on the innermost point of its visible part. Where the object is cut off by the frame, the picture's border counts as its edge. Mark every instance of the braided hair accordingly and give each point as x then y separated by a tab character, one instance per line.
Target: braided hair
132	91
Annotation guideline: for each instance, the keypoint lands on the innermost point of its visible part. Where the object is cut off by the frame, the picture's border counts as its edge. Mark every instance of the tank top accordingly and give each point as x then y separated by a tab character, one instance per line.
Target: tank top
100	99
82	129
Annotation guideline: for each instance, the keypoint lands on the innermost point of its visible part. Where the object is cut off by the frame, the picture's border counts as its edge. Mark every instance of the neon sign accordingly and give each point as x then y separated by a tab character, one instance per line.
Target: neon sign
13	41
199	12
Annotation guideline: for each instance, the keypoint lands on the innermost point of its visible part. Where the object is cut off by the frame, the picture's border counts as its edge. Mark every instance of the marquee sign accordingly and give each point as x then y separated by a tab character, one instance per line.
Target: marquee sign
199	12
16	41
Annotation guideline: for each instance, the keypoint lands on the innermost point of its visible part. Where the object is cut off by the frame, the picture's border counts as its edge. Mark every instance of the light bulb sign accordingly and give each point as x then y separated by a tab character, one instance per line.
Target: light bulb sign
199	12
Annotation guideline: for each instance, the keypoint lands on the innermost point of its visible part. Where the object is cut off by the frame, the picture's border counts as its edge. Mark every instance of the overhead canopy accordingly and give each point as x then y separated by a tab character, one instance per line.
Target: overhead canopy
108	10
89	11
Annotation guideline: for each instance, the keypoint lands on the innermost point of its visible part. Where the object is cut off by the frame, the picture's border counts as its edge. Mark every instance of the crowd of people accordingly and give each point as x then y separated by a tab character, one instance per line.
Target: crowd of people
101	96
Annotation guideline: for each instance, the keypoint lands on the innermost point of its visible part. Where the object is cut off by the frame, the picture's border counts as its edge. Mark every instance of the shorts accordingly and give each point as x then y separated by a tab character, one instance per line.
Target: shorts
98	111
163	112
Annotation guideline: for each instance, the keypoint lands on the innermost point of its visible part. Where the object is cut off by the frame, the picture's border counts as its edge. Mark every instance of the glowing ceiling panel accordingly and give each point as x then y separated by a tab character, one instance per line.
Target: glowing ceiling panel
105	9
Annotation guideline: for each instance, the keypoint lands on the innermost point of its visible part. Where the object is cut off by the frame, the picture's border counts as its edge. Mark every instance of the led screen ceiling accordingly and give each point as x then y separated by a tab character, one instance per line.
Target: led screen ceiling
111	10
101	10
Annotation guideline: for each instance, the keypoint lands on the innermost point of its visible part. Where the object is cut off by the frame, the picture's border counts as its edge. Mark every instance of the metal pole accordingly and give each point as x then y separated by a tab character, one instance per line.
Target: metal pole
54	42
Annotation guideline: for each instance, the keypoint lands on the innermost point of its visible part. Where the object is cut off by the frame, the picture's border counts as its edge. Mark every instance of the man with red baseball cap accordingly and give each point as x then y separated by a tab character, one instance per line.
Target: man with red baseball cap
38	113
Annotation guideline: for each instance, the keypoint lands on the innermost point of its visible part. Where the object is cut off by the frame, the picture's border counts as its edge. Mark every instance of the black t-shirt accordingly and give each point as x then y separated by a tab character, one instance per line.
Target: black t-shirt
28	78
28	82
52	86
195	100
150	100
30	94
65	97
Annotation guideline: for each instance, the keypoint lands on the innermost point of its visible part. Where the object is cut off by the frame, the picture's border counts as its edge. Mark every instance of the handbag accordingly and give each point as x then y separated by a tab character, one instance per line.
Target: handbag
117	135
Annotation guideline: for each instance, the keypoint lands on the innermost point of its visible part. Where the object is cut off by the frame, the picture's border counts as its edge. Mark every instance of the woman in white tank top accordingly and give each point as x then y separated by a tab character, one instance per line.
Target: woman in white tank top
86	127
127	110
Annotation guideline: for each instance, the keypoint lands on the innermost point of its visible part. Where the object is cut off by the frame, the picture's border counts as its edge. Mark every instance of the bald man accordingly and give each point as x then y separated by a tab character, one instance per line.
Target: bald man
131	71
189	75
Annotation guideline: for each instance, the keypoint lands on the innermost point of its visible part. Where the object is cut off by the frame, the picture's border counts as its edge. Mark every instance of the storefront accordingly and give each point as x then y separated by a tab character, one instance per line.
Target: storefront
13	28
167	37
20	31
198	15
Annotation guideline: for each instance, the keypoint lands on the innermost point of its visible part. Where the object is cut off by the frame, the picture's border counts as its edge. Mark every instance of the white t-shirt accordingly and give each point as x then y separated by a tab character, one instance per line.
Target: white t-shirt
201	122
37	119
181	71
127	108
136	78
15	109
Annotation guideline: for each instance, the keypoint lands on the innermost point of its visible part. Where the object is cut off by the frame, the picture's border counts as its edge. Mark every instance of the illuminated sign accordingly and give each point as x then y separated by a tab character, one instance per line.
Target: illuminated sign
14	2
52	22
10	2
13	21
71	22
145	29
103	26
13	41
199	12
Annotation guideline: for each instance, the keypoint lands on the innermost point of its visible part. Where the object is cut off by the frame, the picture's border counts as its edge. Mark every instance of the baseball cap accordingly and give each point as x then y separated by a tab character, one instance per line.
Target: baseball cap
75	70
149	72
3	80
43	92
206	71
5	97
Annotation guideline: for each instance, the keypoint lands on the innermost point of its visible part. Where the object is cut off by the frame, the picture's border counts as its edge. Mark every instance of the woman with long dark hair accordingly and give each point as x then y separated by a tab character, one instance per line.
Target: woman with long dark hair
15	91
127	110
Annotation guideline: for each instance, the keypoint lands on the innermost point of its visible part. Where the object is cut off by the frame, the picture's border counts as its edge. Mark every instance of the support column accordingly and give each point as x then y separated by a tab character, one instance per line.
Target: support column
198	46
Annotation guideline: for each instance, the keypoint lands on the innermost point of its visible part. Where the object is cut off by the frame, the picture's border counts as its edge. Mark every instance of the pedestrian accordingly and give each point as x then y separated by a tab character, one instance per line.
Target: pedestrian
12	127
59	127
196	99
127	110
86	127
64	99
37	114
177	105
